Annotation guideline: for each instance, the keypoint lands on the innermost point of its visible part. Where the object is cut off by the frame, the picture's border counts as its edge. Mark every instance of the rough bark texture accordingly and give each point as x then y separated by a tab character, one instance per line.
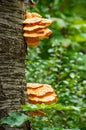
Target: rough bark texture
12	56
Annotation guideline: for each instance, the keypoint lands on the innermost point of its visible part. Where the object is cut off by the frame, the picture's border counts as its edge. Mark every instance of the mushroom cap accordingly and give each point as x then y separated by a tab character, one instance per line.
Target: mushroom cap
31	15
28	15
35	28
43	90
34	85
37	113
32	28
48	99
31	41
40	93
36	20
43	33
45	22
31	21
36	15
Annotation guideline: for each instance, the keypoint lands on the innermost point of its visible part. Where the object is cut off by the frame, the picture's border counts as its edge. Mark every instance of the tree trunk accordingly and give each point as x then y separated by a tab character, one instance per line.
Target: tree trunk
12	56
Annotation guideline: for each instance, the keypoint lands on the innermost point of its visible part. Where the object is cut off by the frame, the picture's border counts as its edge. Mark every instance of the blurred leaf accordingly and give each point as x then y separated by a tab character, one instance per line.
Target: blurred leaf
32	107
60	22
14	119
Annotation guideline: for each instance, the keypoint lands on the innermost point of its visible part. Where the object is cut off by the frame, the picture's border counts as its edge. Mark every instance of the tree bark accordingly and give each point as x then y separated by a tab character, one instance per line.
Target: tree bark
12	56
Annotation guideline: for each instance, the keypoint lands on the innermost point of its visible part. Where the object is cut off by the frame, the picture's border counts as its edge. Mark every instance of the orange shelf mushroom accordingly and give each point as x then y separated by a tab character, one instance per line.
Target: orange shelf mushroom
35	28
40	93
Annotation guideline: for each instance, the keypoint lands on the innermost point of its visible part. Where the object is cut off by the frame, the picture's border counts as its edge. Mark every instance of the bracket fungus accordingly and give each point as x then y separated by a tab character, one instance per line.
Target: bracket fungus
35	28
40	93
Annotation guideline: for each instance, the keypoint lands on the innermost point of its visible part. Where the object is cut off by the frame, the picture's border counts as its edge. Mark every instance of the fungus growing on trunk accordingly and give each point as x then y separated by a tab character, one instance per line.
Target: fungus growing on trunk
40	93
35	28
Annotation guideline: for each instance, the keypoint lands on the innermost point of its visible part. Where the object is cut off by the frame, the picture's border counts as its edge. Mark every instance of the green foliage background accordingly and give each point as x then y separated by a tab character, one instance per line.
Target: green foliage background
61	62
